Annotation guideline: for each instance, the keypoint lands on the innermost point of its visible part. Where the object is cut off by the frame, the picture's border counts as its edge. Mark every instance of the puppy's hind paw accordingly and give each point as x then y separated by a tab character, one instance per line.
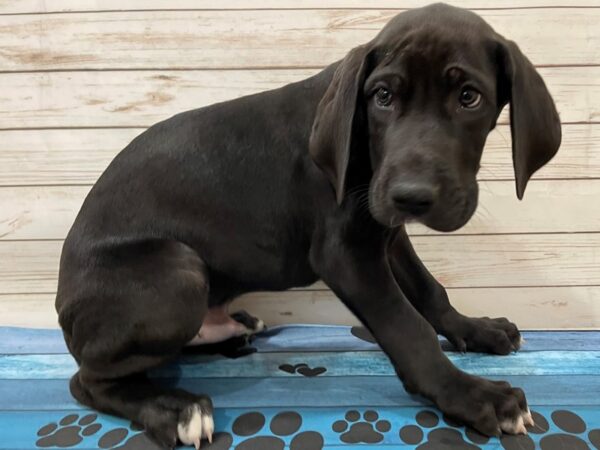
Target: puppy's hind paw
253	324
195	423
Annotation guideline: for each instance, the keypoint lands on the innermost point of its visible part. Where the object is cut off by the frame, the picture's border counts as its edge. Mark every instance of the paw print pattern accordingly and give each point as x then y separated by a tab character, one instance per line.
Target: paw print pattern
355	431
283	424
439	438
131	439
69	431
572	438
303	369
128	439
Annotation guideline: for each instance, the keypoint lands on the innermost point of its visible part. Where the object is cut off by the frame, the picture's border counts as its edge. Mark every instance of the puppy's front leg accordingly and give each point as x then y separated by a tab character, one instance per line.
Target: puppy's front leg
361	277
429	297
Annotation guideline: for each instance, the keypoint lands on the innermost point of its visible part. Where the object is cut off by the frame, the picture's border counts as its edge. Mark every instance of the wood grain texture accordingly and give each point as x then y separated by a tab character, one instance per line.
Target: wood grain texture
70	156
45	173
140	99
28	310
512	260
538	308
37	6
251	38
78	156
47	212
534	308
457	261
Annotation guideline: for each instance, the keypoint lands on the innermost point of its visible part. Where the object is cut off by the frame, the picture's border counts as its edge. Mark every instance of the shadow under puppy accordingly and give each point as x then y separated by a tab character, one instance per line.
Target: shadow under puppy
314	180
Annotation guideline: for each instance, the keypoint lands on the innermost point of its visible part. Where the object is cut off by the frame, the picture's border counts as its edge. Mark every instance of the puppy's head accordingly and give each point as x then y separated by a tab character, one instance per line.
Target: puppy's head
413	108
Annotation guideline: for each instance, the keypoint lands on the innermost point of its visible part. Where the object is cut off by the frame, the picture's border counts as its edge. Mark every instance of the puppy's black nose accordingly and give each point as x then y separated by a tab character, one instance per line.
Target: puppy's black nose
413	197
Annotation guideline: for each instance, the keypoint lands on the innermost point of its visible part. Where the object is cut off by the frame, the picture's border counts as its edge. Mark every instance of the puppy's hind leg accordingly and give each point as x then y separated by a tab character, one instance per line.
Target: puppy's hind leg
220	326
167	415
145	302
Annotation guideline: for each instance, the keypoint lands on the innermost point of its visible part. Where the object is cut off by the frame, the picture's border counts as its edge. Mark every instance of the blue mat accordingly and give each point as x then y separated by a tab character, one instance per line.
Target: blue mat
307	388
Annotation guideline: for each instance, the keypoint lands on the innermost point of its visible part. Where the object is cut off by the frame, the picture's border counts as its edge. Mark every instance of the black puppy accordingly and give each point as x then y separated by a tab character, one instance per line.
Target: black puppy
314	180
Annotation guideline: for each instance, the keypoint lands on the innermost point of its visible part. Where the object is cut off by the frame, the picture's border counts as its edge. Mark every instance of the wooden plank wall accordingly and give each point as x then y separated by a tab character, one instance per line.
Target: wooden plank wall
80	78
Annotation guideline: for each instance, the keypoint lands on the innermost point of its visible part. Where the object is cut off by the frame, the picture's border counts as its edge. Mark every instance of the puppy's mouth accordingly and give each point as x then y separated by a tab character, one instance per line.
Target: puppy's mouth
391	217
446	224
445	215
399	218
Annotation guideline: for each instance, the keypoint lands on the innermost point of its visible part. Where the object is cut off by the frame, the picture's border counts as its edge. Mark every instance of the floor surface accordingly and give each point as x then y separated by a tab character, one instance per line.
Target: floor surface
307	388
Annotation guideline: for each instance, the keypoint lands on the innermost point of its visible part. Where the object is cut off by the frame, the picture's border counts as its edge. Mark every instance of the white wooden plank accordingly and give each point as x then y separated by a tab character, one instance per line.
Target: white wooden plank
78	156
47	212
43	6
457	261
255	38
125	98
28	310
50	157
575	307
512	260
140	99
530	308
578	156
29	266
285	34
28	212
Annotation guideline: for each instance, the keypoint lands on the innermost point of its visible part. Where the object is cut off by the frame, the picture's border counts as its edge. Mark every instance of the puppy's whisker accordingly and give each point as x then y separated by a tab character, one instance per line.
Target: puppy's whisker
357	190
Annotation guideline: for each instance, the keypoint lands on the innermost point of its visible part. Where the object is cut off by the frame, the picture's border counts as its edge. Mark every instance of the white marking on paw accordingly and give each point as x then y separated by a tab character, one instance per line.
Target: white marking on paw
260	325
528	418
521	342
514	426
191	432
208	426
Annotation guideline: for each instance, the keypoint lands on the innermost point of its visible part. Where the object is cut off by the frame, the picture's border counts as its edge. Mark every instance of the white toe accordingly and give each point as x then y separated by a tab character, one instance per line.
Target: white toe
190	431
514	426
528	418
208	427
260	325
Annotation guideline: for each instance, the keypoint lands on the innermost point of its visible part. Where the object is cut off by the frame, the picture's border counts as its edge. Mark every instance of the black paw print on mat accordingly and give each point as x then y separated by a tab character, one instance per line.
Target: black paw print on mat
69	431
354	431
440	438
303	369
573	426
129	439
286	423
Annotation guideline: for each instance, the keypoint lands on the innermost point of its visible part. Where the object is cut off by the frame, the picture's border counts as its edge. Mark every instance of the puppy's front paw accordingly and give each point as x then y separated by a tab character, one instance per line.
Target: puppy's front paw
490	407
178	416
195	423
485	335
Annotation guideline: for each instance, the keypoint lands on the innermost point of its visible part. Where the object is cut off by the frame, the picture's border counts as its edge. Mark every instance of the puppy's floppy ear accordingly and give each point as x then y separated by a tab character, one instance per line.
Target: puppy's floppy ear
534	122
335	125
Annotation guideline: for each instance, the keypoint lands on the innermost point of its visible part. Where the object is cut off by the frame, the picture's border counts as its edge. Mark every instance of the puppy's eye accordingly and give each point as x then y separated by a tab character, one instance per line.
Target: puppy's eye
469	98
383	97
